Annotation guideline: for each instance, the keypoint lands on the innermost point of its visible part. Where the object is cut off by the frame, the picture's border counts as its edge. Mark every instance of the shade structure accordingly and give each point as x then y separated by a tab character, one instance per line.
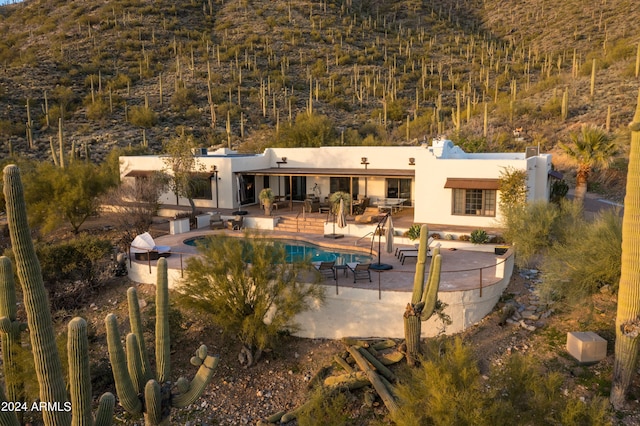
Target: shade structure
342	220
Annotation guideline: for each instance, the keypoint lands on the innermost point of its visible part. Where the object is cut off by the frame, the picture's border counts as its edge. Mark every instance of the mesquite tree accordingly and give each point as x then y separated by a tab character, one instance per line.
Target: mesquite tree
628	315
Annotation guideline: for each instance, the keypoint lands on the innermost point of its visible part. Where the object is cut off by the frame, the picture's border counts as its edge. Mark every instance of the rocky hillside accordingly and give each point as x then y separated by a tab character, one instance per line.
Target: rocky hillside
130	72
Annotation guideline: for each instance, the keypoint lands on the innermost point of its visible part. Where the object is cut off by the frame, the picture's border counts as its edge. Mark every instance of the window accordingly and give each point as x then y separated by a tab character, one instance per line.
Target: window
200	188
399	188
342	184
474	202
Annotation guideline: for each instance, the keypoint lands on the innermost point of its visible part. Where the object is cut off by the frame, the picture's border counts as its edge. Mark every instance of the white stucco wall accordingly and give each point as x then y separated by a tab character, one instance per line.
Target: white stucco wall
433	165
359	312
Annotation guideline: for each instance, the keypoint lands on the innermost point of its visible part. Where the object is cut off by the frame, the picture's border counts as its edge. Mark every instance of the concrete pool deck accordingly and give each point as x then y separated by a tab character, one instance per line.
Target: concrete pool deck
472	281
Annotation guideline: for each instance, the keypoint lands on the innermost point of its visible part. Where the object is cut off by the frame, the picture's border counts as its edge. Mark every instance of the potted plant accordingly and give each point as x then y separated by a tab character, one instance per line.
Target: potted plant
266	198
334	200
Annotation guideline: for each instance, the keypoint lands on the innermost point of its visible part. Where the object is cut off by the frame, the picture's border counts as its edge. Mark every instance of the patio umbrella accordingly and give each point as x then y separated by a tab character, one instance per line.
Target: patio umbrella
389	236
389	244
342	220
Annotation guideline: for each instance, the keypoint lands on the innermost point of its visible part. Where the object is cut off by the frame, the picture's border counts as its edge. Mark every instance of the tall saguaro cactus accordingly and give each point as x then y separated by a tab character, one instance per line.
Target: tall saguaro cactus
628	314
138	389
424	297
45	352
10	330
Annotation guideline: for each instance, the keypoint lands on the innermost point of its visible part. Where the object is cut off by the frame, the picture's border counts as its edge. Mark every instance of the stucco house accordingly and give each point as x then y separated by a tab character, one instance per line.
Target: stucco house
443	184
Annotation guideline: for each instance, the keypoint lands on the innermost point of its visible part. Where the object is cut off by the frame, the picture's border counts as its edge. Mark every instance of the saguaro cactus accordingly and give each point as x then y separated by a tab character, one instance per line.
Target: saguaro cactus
137	388
423	299
10	330
45	353
628	314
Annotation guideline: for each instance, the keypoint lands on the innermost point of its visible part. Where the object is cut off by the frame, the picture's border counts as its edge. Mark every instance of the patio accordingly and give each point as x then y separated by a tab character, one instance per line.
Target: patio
472	280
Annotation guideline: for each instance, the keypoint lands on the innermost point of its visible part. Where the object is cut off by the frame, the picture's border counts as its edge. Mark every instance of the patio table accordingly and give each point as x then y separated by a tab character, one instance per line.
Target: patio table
391	204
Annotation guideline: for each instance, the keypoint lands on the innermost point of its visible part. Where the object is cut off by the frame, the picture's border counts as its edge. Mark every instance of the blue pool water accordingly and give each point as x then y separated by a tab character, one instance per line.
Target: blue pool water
299	250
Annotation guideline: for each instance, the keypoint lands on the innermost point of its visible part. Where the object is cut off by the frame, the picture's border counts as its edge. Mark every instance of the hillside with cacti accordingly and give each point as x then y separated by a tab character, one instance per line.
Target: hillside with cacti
490	75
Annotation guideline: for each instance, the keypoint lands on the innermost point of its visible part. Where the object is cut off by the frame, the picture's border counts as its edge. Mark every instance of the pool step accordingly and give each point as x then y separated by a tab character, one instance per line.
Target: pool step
308	225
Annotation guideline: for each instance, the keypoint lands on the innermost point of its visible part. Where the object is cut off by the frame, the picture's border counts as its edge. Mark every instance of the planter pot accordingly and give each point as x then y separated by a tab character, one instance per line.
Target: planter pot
268	205
179	226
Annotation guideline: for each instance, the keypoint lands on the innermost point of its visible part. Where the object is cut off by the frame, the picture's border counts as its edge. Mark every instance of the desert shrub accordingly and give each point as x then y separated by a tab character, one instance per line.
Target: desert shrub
120	81
183	98
529	228
448	389
413	233
98	109
309	130
10	128
327	408
559	189
142	116
249	290
587	260
479	236
464	237
79	259
452	372
72	269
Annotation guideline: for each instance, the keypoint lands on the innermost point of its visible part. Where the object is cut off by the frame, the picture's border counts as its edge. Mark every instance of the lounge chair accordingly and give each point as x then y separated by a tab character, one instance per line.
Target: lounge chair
326	269
144	248
370	214
414	253
360	270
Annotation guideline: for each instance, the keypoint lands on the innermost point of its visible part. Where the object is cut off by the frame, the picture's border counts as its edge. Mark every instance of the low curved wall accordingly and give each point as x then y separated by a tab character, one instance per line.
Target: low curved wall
360	312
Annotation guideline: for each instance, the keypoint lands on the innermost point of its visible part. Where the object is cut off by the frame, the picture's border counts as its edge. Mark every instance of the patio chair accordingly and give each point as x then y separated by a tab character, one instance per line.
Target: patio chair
360	270
215	221
326	269
236	224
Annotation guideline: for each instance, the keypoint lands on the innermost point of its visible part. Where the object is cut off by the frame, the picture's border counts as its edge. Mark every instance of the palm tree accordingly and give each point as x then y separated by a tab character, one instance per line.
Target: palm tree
628	314
591	149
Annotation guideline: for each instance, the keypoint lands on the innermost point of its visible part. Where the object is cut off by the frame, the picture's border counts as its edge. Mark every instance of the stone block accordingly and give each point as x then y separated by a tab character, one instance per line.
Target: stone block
586	346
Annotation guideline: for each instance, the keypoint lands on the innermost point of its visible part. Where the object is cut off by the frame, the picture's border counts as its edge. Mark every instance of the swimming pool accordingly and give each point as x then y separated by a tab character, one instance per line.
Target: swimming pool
299	250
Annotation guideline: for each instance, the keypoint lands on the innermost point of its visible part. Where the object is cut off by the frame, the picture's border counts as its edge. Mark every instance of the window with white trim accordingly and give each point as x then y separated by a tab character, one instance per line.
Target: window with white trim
473	202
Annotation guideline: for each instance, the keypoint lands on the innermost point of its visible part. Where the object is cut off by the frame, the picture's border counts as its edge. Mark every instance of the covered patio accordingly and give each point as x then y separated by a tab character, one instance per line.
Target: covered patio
386	188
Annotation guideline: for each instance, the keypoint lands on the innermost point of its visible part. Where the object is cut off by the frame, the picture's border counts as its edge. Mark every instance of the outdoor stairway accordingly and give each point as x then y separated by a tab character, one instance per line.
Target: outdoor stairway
307	225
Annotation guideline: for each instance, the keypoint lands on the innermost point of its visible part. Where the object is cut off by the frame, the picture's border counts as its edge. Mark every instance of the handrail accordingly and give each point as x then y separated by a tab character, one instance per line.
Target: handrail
298	221
480	286
363	237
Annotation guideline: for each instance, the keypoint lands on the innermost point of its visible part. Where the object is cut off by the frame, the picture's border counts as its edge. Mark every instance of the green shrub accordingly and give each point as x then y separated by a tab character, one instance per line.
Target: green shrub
183	98
530	229
327	408
142	117
413	233
479	236
98	109
588	259
72	269
448	389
